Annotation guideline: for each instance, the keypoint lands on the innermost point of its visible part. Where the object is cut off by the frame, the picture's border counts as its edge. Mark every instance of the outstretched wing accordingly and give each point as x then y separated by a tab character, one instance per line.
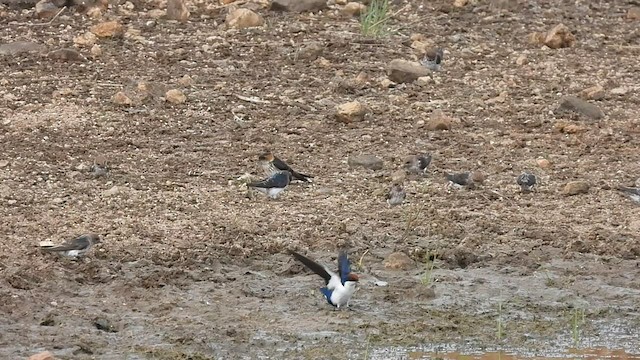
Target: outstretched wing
344	268
313	266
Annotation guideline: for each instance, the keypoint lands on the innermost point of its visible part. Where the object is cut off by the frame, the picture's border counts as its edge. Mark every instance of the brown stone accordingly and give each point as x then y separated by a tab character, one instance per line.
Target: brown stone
177	10
86	39
478	177
108	29
46	9
243	18
354	9
593	93
311	51
536	38
633	13
460	3
399	261
559	37
298	5
522	60
120	98
175	96
439	121
96	50
568	128
45	355
543	163
350	112
575	188
403	71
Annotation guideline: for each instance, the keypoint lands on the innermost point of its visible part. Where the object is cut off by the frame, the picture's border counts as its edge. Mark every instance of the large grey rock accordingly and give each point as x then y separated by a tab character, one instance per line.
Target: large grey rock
298	5
403	71
572	103
365	161
18	47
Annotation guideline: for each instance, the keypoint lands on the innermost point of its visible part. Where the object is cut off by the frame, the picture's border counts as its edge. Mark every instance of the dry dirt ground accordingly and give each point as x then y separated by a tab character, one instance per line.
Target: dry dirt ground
193	266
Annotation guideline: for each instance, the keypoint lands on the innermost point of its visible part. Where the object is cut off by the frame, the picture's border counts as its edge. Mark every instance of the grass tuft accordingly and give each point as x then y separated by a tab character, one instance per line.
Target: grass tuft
429	265
577	320
373	21
500	330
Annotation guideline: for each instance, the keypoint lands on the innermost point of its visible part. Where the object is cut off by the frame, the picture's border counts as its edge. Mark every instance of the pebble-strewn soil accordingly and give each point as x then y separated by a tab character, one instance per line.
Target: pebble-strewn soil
192	265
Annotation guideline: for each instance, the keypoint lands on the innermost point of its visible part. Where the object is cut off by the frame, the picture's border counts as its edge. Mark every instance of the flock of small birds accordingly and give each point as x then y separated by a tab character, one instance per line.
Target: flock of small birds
340	286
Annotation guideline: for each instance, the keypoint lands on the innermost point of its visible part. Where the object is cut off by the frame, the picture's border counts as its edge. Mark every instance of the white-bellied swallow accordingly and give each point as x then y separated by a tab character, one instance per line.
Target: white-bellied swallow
631	192
338	287
418	164
271	164
433	58
527	182
396	195
273	185
75	248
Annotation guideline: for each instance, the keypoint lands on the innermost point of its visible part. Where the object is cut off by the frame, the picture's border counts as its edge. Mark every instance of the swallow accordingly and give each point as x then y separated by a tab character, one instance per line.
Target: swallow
396	195
461	180
100	167
527	182
273	185
418	164
432	59
631	192
271	164
338	287
75	248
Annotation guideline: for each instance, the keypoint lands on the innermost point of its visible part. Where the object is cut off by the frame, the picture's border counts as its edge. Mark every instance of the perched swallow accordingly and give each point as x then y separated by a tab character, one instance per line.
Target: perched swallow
338	287
432	59
527	182
418	164
76	247
272	164
99	167
631	193
273	185
396	195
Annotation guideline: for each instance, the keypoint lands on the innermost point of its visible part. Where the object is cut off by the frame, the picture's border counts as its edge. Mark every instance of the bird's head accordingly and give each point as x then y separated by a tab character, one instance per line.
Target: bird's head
266	156
95	238
352	279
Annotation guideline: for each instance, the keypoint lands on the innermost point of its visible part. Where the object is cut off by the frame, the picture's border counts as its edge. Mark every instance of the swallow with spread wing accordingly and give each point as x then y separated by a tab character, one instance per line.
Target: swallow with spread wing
339	287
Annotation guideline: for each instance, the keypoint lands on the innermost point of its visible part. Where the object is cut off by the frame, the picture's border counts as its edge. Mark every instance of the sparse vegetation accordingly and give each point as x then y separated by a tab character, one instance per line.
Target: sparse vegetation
412	221
577	321
429	265
360	264
373	21
500	324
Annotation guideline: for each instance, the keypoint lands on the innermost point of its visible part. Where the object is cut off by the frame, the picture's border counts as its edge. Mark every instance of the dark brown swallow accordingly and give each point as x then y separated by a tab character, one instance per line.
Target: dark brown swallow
271	164
75	248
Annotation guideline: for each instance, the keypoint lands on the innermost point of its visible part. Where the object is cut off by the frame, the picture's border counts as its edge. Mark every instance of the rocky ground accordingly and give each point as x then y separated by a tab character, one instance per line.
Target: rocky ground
192	265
